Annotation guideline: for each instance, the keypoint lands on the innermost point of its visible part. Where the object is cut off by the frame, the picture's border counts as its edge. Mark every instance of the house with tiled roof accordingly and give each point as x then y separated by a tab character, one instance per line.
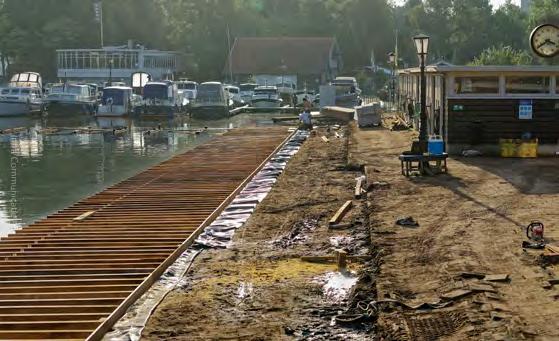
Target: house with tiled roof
310	60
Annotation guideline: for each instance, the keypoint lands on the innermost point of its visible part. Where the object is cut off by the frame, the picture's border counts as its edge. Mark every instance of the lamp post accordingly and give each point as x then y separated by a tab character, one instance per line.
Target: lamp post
111	61
422	46
392	62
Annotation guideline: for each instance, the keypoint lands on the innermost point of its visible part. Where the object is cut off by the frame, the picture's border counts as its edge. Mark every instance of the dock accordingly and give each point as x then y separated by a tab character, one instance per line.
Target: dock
73	274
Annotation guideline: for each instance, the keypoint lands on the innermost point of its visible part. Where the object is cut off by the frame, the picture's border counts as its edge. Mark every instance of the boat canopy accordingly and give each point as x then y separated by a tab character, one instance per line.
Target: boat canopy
116	95
73	89
247	87
187	85
210	91
27	80
268	90
157	91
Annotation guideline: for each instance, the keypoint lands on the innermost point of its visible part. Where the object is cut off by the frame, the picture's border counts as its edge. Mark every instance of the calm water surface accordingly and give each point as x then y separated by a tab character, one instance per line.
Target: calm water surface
46	164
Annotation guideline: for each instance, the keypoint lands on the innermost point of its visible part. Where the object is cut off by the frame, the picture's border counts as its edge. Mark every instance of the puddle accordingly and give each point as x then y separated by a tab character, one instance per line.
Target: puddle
245	290
340	241
336	286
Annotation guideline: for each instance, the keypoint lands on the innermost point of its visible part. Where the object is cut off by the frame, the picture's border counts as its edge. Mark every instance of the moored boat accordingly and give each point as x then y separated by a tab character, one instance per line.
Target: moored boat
162	98
235	95
266	97
71	98
23	95
247	90
118	101
212	102
347	92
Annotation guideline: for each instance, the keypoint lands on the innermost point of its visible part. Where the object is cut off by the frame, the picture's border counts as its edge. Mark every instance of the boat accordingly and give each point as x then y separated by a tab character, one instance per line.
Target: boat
188	88
347	92
247	90
302	94
235	95
286	88
162	97
71	98
212	102
23	95
266	97
118	101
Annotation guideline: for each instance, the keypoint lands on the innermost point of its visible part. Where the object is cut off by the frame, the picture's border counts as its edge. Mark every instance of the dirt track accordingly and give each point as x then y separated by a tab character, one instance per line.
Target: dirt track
470	221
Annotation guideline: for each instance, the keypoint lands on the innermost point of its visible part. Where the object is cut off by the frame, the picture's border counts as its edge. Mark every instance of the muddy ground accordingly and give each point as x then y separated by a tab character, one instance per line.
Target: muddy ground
423	283
260	289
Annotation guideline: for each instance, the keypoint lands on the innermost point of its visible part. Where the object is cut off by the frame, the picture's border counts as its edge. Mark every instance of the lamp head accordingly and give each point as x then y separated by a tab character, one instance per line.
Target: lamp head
391	57
421	44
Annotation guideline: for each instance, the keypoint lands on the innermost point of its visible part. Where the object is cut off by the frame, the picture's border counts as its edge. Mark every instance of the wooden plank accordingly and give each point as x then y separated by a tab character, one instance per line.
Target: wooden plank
44	334
84	216
340	213
358	188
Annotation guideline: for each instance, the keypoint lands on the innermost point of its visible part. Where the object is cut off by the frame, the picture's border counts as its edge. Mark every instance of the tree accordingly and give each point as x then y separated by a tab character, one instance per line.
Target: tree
503	55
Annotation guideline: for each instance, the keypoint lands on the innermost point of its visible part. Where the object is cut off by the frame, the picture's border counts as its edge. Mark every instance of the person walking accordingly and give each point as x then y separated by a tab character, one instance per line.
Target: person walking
305	119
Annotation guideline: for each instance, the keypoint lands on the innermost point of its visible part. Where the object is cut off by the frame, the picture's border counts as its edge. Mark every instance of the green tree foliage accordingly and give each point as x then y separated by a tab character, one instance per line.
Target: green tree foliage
503	55
544	11
460	30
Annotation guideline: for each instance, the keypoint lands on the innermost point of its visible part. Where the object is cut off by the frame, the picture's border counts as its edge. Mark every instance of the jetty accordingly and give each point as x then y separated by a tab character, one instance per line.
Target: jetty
73	274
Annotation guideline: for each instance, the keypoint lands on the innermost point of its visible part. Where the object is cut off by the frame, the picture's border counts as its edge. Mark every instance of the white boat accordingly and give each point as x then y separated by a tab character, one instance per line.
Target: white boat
71	98
247	90
118	101
23	95
266	97
302	94
286	88
347	92
163	98
235	95
212	102
189	89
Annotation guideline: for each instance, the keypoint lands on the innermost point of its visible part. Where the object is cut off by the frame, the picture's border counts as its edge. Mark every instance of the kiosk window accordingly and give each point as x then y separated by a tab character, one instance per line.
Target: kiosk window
476	85
527	85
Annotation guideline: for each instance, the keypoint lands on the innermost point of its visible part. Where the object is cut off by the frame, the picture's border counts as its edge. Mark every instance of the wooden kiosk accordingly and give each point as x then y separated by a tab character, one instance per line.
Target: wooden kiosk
476	107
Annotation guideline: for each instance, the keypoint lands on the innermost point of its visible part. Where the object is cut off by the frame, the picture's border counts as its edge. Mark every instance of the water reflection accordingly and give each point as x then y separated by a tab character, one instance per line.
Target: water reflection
48	163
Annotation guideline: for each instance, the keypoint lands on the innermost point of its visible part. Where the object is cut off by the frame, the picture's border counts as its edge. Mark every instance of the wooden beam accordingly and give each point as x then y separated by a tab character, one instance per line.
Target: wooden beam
340	213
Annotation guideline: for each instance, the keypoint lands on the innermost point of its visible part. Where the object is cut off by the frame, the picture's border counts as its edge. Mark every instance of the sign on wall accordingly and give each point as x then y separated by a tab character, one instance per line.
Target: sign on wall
525	111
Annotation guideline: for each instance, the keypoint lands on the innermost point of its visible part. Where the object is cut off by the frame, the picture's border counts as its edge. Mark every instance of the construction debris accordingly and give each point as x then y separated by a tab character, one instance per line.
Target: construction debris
407	221
340	214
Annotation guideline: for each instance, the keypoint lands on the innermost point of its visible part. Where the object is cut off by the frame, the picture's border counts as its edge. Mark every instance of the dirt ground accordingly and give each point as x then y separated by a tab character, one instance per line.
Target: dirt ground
421	283
260	289
470	220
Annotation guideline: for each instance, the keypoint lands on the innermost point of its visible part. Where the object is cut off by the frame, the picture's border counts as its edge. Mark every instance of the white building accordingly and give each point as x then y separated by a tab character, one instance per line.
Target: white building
95	64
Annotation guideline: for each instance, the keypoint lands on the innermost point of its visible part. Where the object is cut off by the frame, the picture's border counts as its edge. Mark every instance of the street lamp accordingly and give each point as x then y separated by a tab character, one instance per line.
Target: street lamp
422	45
392	62
111	62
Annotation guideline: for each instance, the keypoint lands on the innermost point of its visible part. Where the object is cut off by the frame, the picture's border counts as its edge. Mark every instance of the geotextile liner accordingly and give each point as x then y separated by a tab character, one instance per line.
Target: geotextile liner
217	235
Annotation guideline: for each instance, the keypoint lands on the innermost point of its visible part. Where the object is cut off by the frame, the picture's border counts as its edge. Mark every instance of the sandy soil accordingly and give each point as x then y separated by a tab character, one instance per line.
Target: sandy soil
470	220
260	289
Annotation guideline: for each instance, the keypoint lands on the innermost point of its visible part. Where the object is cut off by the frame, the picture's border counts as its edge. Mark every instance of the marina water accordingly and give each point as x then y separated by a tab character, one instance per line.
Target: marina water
49	163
